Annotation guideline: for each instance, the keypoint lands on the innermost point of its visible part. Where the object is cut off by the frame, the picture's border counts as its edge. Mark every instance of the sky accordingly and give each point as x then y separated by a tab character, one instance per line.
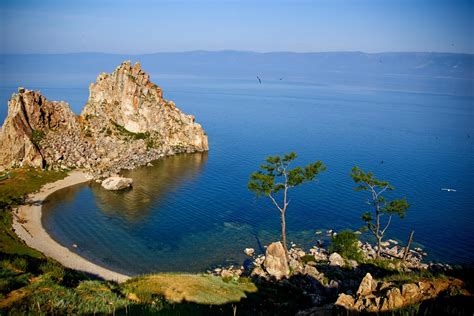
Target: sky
147	26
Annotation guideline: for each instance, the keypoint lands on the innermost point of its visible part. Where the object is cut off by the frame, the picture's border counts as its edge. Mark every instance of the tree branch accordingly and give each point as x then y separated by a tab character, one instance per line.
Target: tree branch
388	223
275	202
385	188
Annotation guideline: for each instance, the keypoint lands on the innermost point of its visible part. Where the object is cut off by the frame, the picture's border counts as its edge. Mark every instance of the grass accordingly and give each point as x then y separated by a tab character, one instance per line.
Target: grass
24	181
177	288
412	277
12	192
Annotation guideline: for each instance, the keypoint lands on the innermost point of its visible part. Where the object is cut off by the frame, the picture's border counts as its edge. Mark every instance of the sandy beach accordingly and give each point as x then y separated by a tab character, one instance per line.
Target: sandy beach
28	226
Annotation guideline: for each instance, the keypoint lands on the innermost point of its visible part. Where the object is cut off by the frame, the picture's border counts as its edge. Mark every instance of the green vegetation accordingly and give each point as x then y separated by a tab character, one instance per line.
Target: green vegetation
37	136
201	289
275	177
412	277
131	77
12	192
345	243
367	182
131	135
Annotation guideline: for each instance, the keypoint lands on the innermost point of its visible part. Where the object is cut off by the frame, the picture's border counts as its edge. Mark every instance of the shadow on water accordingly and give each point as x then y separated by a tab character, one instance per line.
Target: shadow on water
150	186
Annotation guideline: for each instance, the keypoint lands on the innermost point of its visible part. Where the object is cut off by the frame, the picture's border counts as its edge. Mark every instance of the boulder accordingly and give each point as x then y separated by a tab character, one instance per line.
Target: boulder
275	261
117	183
311	271
258	272
365	287
411	292
249	251
335	259
392	300
345	300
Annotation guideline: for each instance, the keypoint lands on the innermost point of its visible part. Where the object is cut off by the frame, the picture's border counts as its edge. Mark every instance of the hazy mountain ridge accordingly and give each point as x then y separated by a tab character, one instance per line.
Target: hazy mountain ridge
238	63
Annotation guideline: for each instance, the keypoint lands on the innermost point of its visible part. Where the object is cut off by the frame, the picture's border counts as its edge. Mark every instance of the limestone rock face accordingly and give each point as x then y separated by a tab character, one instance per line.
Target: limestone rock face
275	261
129	99
31	117
125	123
117	183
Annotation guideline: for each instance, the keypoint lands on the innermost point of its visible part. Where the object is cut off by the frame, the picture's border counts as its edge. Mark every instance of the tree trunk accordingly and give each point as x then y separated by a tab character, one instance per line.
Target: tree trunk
407	249
283	236
379	241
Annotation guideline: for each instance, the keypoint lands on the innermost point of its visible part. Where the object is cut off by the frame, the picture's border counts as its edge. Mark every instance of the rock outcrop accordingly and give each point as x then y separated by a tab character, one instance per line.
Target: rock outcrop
275	261
128	99
125	123
30	118
379	296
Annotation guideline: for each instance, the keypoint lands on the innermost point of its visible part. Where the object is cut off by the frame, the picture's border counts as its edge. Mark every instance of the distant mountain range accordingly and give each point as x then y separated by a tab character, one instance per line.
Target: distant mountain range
435	72
239	63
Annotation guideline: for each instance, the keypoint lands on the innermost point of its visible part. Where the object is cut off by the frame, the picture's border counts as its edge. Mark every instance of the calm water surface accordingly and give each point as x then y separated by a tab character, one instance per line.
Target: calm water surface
191	212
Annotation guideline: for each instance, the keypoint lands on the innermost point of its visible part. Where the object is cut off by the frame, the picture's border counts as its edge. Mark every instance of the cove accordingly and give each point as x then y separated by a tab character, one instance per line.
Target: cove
192	212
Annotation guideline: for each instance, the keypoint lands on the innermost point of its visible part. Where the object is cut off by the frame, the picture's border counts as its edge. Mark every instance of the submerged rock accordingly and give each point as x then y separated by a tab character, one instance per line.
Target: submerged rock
117	183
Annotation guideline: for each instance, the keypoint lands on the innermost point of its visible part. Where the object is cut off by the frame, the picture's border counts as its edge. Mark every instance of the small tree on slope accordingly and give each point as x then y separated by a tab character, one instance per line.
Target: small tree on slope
275	177
367	182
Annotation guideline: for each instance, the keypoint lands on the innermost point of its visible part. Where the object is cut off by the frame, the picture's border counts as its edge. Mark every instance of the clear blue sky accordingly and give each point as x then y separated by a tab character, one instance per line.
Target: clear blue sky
146	26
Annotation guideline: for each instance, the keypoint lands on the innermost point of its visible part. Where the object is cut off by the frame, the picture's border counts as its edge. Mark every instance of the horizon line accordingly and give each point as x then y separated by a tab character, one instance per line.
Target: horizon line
242	51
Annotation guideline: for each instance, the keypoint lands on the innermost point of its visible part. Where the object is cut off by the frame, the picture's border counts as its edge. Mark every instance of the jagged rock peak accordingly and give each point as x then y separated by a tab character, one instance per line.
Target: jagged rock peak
125	123
30	117
128	98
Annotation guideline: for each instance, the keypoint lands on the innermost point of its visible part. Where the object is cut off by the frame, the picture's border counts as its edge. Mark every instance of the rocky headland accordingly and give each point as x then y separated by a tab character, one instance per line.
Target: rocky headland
125	123
330	284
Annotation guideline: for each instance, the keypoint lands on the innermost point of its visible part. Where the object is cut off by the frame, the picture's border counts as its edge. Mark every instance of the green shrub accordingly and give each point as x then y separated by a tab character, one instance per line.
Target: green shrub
345	243
37	136
20	264
131	135
53	270
308	258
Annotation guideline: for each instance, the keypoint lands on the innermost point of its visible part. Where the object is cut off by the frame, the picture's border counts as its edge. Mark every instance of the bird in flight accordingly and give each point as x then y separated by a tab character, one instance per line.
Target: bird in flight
259	80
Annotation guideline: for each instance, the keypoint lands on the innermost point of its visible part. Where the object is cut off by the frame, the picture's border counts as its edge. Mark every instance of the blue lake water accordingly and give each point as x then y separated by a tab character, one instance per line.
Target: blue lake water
191	212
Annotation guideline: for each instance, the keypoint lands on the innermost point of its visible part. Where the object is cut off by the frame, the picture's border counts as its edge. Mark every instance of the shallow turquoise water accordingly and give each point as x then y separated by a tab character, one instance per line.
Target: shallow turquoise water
190	212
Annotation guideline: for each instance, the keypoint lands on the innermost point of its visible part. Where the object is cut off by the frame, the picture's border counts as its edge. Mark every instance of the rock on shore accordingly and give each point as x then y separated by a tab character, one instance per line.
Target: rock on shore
380	296
125	123
117	183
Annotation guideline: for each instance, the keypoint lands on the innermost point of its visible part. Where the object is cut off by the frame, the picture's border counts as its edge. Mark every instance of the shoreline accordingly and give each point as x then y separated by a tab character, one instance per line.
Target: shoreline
28	227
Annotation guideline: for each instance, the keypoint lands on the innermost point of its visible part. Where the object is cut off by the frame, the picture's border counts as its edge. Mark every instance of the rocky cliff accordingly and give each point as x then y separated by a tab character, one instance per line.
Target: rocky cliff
125	123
